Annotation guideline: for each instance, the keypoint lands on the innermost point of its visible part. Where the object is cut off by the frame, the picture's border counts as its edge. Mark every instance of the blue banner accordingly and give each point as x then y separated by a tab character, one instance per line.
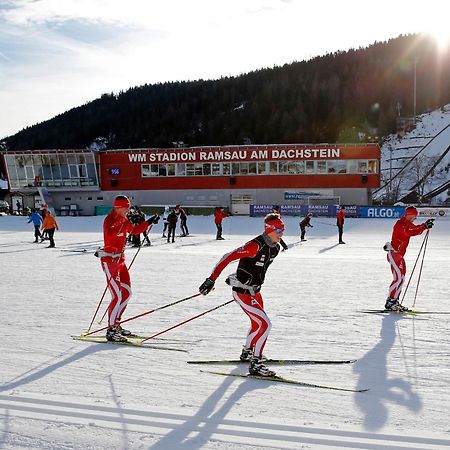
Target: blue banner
302	210
382	212
368	212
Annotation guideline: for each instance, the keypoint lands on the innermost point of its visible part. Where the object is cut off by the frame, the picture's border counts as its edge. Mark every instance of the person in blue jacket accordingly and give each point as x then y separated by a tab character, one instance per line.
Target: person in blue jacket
36	218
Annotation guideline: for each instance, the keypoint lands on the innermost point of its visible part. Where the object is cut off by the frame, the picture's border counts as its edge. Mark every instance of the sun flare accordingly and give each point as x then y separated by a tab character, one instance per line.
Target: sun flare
442	37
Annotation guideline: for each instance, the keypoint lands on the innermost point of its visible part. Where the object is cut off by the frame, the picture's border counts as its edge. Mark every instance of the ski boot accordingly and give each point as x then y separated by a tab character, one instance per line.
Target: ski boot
113	335
257	367
392	304
246	354
124	332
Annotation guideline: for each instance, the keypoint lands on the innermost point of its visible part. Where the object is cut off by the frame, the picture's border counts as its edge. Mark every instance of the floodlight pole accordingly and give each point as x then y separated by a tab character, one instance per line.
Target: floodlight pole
415	88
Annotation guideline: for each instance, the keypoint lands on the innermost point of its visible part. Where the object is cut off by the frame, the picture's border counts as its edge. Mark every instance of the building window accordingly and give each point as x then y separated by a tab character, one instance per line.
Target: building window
300	167
181	169
243	168
145	170
171	170
262	168
321	167
53	170
362	166
309	167
283	167
198	169
352	166
190	170
206	169
162	170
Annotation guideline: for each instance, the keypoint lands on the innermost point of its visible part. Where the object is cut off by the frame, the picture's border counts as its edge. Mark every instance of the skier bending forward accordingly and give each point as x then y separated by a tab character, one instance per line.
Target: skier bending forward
255	258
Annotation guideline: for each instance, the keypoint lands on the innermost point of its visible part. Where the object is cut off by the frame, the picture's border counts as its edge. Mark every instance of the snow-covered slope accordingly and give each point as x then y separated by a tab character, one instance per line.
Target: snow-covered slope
423	145
61	394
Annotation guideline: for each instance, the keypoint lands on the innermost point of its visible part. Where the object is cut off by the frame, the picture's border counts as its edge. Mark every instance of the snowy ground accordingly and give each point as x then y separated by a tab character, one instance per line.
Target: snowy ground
57	393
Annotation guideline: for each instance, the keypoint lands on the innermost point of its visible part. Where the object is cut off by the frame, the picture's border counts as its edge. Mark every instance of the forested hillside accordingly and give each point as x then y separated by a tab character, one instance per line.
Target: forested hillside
332	98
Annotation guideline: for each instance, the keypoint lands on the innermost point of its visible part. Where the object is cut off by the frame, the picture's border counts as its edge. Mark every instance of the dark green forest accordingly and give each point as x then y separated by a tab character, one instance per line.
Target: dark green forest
331	98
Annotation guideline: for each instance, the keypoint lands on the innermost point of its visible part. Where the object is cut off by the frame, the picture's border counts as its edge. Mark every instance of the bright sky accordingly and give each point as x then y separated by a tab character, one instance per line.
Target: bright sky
58	54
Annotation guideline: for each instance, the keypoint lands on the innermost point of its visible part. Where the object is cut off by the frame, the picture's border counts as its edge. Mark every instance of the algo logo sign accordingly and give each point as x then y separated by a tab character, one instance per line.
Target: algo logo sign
380	212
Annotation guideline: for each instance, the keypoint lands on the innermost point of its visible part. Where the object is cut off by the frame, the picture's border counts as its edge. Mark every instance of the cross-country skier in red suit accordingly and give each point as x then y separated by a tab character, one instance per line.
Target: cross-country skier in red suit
219	215
115	230
404	228
254	259
340	218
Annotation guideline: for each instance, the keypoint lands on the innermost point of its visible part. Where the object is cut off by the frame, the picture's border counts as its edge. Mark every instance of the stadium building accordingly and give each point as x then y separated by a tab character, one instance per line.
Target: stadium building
85	181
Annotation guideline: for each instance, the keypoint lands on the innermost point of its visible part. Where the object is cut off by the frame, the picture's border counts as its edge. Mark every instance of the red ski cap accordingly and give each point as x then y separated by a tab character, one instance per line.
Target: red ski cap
122	202
411	211
274	225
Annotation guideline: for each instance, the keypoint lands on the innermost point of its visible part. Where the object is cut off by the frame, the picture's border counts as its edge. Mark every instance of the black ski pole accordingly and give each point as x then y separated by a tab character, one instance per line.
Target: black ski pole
421	267
414	268
187	320
87	333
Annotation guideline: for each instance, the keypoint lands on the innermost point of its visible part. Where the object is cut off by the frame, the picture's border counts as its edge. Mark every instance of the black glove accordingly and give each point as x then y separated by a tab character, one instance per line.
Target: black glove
153	220
136	217
429	224
206	286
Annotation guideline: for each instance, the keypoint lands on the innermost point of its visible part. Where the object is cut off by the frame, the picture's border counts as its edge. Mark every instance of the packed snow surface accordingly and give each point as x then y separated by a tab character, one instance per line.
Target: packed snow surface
58	393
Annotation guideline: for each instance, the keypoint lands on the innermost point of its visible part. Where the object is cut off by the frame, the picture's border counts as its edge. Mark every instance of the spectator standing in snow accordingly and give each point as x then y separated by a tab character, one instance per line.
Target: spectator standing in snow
36	218
183	220
254	259
43	212
219	215
172	220
164	216
305	223
49	225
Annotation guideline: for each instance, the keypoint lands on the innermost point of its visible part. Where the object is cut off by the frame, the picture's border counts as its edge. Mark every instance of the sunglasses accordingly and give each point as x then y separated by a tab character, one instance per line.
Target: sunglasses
279	230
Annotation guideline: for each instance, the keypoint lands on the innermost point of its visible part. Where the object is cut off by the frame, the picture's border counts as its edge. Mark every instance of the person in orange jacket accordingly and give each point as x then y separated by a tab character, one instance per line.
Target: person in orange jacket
49	225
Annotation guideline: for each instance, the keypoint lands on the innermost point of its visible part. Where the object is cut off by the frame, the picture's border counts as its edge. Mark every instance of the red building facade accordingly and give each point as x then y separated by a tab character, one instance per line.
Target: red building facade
242	167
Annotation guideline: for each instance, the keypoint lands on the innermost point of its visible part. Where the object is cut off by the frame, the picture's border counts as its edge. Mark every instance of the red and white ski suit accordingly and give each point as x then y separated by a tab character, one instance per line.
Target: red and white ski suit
115	230
255	257
403	230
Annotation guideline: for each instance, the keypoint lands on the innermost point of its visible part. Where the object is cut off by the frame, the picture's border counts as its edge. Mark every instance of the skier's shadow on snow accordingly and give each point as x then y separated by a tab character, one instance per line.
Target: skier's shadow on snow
178	438
373	372
37	373
323	250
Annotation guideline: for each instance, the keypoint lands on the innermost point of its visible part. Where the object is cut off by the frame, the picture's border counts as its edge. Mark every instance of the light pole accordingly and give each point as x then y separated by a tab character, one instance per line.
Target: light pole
415	88
390	174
